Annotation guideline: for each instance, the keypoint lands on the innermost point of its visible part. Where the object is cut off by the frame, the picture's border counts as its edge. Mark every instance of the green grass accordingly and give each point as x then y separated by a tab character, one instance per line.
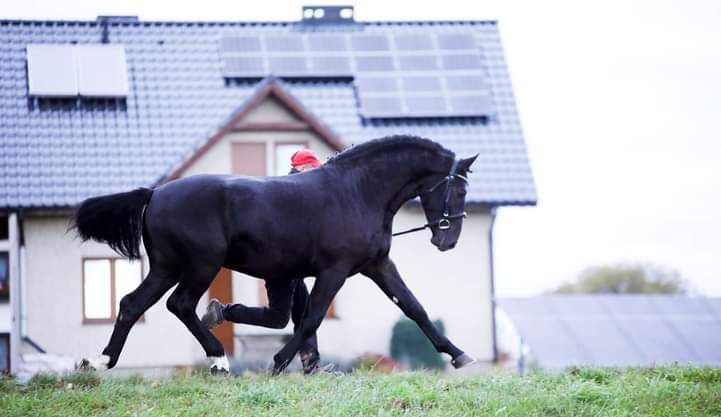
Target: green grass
666	391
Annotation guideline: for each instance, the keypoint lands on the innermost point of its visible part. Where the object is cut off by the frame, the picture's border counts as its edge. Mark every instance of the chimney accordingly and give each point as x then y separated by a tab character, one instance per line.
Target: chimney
327	14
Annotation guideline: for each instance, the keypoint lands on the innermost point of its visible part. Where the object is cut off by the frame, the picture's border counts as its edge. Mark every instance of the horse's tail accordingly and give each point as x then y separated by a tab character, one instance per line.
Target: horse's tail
116	219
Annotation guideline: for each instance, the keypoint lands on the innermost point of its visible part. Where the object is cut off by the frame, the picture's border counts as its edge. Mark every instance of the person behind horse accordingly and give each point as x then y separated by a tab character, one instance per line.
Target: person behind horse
285	299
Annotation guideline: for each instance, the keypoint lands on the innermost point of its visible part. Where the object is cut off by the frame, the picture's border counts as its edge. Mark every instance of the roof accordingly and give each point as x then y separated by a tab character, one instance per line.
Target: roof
618	330
55	153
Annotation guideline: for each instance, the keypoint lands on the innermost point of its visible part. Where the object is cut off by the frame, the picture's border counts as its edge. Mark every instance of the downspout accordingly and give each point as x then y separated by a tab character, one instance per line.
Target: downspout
21	274
14	258
22	267
493	289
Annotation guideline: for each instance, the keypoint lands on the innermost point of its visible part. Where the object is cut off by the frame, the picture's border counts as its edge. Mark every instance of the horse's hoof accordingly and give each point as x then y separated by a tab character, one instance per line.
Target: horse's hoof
279	366
462	360
310	361
219	365
83	365
98	364
214	370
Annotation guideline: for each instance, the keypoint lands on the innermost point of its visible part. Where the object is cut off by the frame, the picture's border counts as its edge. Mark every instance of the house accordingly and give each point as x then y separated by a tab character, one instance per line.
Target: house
557	331
97	107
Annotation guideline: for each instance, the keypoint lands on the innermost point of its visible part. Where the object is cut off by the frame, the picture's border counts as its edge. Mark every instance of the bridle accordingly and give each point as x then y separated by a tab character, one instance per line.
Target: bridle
444	222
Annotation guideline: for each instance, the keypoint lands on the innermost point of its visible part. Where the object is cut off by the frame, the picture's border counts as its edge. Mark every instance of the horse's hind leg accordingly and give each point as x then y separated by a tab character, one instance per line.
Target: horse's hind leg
132	306
324	290
182	303
309	355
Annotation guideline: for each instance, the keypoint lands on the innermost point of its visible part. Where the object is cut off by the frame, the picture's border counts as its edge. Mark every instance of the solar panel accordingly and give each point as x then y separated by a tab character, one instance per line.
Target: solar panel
414	42
605	343
425	105
288	65
465	82
374	63
457	40
413	73
284	44
412	84
461	62
331	65
51	71
327	43
102	70
240	44
370	43
380	106
377	84
418	62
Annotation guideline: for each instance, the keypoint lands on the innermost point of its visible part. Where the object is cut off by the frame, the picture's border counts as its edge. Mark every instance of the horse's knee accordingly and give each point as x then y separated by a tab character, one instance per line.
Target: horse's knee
127	311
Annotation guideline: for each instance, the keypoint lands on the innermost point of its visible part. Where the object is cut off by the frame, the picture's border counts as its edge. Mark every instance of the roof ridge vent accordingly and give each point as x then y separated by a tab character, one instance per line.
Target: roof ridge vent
328	14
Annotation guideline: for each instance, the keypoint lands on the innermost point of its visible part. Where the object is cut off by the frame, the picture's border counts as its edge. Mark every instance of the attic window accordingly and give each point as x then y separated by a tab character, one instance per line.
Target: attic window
77	70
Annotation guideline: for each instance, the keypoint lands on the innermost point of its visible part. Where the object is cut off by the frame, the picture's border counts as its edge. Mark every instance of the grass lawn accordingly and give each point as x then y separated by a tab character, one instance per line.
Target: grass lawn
666	391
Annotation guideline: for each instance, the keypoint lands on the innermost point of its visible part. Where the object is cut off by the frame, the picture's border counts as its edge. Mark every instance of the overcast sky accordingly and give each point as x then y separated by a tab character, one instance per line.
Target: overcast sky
620	102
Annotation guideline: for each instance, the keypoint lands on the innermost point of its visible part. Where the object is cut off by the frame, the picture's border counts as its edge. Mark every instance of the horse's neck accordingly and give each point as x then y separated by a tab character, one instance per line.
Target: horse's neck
390	182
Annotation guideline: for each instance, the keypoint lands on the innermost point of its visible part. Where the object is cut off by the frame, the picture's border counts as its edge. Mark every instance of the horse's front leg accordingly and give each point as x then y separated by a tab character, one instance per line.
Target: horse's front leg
324	290
385	275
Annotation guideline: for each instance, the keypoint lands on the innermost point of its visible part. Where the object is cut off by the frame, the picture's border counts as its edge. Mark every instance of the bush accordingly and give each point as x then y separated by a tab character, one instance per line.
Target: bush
411	347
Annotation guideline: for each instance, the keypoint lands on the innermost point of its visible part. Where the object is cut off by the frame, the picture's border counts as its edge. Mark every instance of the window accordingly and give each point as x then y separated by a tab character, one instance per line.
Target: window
105	282
4	228
4	276
283	152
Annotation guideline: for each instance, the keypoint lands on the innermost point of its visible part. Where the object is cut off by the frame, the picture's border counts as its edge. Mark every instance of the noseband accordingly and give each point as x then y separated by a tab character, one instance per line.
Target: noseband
445	221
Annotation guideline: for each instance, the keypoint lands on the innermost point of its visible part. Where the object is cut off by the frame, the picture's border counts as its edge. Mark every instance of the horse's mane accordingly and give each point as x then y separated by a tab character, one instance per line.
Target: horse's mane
387	144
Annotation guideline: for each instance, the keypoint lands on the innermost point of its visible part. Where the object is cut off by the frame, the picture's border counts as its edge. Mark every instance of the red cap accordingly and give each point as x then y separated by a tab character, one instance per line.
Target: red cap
303	157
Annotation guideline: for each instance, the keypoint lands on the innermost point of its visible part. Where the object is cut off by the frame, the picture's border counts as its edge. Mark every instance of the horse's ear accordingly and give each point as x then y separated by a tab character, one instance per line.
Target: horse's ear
465	163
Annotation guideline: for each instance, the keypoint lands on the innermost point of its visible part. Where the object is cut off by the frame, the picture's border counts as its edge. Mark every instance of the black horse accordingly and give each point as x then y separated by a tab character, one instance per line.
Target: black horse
330	223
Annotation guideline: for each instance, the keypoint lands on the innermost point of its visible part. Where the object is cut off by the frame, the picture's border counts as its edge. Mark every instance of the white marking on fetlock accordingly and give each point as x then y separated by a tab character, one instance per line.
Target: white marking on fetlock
219	362
100	363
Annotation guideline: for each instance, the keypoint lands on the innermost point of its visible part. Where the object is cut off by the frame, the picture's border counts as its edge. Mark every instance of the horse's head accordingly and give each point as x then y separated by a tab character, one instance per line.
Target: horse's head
443	201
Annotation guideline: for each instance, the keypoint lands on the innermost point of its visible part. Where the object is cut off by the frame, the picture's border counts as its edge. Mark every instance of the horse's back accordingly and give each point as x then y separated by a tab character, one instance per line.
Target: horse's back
188	216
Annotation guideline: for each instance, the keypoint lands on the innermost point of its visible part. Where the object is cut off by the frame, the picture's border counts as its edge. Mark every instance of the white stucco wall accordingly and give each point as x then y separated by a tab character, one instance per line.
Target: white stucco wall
55	309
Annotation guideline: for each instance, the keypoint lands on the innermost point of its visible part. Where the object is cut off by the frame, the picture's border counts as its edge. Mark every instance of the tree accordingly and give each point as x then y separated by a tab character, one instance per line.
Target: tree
626	279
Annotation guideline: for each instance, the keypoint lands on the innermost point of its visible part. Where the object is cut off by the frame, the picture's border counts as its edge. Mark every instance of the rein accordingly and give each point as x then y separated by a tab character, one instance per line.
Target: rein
445	221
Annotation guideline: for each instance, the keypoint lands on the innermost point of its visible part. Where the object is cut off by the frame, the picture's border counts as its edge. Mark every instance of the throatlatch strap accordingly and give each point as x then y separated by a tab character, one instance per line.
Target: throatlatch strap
446	199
